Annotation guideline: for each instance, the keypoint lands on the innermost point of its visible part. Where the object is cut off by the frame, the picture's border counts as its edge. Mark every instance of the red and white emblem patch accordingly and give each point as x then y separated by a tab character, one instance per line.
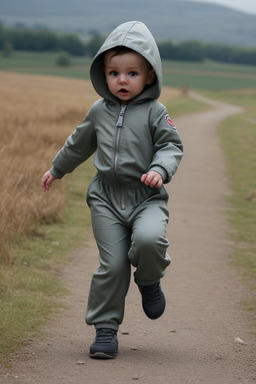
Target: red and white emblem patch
169	121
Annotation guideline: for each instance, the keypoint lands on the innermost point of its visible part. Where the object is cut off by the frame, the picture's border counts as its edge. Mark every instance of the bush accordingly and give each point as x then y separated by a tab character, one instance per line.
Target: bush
63	60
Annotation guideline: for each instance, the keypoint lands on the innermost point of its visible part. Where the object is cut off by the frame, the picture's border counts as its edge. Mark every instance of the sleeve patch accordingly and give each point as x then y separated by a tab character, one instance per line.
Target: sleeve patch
169	121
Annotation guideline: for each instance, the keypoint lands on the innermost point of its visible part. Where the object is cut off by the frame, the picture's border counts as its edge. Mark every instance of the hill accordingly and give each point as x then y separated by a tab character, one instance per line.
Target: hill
167	19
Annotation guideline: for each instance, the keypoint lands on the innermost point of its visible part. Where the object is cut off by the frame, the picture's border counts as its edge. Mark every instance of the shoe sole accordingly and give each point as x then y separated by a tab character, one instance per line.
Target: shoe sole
101	355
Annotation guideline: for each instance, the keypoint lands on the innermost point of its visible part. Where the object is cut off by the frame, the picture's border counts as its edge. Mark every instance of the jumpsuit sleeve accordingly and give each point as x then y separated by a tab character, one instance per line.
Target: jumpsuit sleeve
167	145
80	145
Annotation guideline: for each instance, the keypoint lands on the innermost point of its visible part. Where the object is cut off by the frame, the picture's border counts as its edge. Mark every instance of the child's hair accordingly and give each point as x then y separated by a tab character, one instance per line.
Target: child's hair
121	50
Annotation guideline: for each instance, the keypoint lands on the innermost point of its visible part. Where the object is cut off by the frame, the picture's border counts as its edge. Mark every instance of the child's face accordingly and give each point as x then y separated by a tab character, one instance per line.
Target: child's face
127	74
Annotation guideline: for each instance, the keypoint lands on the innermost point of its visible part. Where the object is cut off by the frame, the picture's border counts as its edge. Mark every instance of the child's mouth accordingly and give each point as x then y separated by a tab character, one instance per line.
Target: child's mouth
123	91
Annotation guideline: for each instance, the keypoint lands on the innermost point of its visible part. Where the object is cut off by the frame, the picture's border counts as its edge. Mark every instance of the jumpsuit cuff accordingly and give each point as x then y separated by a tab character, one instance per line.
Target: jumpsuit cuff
161	172
56	173
110	325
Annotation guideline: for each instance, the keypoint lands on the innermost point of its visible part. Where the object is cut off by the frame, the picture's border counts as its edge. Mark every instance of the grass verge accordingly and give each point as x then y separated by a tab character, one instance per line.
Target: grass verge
238	138
30	288
184	104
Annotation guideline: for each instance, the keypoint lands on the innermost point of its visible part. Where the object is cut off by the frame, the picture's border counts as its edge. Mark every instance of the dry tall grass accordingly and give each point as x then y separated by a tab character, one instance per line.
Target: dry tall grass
37	114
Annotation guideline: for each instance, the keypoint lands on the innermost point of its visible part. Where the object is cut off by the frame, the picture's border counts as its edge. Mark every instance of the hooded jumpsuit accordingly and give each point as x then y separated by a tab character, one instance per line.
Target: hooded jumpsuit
129	219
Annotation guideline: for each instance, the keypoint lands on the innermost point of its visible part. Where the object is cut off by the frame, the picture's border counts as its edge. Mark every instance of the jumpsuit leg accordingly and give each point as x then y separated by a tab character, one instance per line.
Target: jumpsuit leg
111	280
149	243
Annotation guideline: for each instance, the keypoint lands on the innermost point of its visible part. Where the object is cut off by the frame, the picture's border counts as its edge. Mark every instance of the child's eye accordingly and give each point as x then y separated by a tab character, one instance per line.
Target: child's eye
114	73
133	73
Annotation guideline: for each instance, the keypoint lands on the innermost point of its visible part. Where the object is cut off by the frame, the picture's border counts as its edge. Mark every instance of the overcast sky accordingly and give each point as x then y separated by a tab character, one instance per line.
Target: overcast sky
248	6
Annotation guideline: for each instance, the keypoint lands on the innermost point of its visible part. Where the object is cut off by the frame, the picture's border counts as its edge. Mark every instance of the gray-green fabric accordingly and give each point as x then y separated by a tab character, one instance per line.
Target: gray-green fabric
130	234
147	141
129	219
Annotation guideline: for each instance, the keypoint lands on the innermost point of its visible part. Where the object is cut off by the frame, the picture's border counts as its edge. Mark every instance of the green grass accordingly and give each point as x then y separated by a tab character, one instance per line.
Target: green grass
202	76
238	138
30	288
44	64
209	66
204	81
184	104
209	75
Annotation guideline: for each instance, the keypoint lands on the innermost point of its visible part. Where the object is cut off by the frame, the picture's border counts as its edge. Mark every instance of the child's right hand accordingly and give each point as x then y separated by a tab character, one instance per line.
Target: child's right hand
47	180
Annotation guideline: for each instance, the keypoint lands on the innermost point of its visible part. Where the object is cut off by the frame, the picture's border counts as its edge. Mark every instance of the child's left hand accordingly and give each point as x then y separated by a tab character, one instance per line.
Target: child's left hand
152	179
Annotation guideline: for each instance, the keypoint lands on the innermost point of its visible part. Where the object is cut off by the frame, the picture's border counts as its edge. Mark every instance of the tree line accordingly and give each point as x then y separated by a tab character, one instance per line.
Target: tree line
198	52
44	40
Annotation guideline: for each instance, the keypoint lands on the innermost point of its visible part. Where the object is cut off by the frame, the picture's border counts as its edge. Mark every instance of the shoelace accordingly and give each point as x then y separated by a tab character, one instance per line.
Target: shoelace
151	293
104	336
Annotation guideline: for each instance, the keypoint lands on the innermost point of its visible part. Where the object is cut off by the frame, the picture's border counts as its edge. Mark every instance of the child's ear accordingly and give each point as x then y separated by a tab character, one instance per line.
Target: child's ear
151	77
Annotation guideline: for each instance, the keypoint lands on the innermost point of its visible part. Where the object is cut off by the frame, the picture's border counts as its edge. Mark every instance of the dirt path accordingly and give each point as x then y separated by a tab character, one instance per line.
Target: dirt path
204	336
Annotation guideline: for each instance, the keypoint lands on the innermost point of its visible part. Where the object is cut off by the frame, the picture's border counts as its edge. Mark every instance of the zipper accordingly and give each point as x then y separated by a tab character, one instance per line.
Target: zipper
121	116
119	125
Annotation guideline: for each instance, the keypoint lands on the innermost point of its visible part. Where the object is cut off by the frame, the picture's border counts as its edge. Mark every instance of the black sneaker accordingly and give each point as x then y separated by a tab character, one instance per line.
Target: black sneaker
153	300
105	345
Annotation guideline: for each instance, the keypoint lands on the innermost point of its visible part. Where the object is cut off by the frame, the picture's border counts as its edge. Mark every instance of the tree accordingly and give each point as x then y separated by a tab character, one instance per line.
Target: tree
167	50
72	45
94	44
7	49
190	51
46	41
1	35
219	52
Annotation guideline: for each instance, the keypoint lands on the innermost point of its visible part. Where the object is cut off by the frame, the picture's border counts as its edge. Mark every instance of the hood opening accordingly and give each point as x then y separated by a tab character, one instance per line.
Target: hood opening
133	35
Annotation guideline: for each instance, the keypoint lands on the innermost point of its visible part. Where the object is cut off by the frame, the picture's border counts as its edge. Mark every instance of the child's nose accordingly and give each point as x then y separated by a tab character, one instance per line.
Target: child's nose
122	79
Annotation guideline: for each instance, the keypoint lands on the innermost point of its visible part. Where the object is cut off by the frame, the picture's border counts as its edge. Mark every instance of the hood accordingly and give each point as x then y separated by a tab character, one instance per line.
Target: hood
134	35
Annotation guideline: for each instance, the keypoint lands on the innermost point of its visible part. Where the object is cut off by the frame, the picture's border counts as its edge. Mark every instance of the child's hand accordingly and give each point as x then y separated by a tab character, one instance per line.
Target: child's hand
47	180
152	179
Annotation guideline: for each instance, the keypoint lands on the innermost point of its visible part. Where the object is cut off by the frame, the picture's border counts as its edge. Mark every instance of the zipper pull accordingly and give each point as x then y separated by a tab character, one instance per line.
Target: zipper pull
121	116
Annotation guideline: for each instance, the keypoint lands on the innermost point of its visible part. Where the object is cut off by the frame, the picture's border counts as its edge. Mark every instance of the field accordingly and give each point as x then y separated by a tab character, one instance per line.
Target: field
31	109
202	76
37	114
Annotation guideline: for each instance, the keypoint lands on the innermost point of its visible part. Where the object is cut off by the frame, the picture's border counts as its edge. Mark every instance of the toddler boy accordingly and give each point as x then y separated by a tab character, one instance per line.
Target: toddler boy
136	150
